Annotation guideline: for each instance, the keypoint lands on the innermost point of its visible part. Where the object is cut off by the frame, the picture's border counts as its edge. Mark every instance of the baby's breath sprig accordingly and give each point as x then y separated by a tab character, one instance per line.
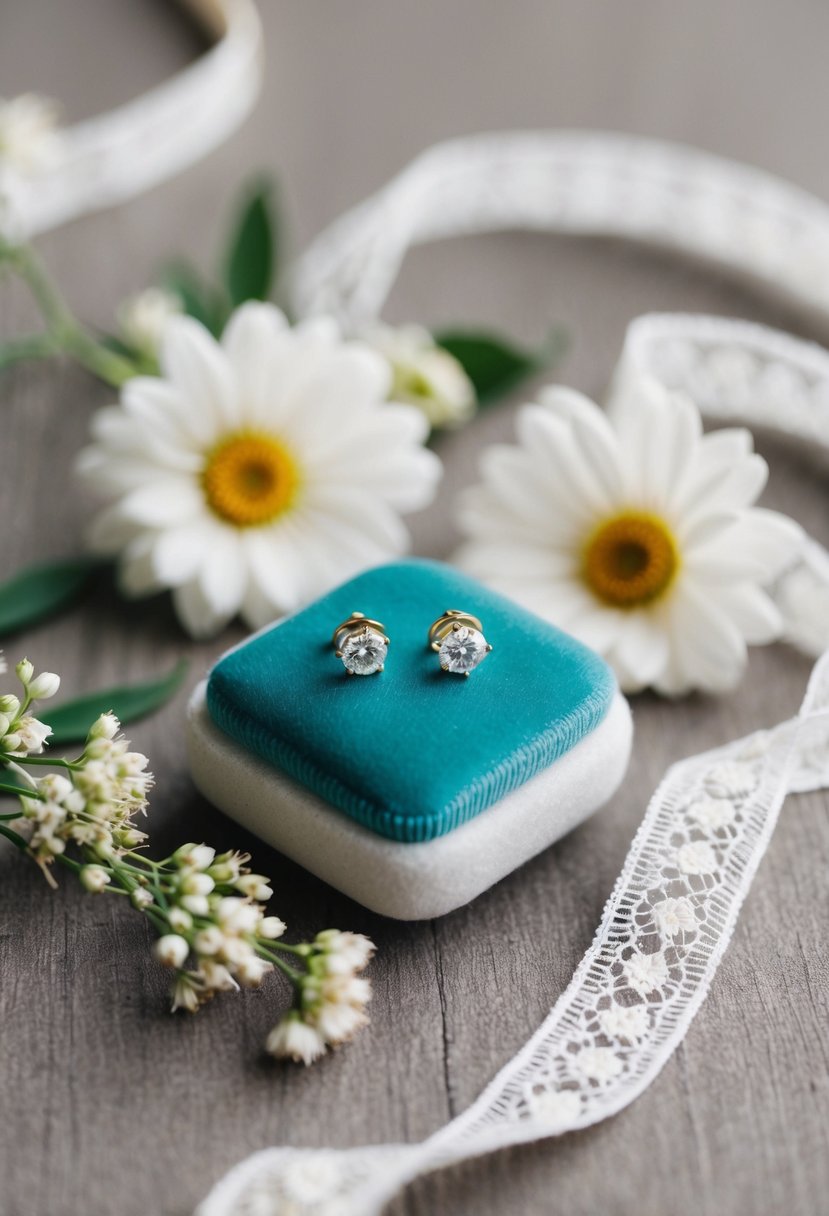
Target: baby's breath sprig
207	909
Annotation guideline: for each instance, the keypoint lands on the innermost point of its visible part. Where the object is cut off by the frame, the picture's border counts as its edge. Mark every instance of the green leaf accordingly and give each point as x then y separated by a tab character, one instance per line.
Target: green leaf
70	722
496	366
198	300
12	784
39	591
251	255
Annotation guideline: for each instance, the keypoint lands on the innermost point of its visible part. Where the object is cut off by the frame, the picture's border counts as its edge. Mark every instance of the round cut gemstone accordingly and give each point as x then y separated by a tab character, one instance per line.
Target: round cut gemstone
364	652
462	650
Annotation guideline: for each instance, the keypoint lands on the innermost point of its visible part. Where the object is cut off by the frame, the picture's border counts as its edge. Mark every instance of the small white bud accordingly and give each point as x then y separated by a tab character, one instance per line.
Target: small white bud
271	927
10	704
201	857
236	951
141	898
104	727
255	886
252	970
25	671
209	940
293	1039
44	686
171	950
197	884
94	878
197	904
180	920
4	723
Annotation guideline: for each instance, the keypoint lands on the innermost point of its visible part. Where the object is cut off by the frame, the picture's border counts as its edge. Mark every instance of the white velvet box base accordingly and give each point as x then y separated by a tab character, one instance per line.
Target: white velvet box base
409	881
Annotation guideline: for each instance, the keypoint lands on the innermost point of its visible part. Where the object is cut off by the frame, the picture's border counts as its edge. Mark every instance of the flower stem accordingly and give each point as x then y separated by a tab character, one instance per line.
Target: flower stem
13	837
51	761
17	790
294	976
36	346
65	333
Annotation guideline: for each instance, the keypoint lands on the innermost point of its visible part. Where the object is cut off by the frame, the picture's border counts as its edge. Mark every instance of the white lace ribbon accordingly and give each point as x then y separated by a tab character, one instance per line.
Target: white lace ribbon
117	155
664	931
671	915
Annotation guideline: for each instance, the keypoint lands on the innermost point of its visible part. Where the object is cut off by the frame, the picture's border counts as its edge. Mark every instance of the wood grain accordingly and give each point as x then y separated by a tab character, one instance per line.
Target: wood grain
108	1105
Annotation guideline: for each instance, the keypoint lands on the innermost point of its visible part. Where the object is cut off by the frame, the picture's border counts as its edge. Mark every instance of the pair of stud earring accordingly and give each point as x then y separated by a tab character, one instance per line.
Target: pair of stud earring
456	637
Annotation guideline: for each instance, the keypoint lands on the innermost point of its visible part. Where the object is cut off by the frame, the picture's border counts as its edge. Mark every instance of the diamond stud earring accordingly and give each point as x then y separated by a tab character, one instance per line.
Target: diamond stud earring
362	645
457	637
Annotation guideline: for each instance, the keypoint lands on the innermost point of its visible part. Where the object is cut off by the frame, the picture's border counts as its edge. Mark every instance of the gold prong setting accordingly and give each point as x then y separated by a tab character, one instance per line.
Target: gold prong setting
458	640
361	644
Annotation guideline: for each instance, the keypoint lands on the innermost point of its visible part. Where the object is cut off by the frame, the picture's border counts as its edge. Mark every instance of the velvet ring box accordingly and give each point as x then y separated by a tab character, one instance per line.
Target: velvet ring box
412	790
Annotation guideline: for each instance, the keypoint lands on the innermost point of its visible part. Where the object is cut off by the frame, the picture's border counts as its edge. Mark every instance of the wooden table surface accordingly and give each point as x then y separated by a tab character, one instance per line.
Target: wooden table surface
110	1107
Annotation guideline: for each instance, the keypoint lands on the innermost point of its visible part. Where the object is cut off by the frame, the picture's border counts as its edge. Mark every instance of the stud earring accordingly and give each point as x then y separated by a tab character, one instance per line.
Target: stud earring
362	645
457	638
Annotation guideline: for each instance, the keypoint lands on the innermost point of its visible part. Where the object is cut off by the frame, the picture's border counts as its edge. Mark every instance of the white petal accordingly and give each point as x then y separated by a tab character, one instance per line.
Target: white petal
275	559
599	628
517	484
707	645
657	431
756	547
721	450
112	427
250	339
336	510
112	475
482	512
162	420
224	573
136	575
559	456
200	370
196	613
406	480
163	502
178	553
336	393
641	652
732	488
572	406
752	611
109	531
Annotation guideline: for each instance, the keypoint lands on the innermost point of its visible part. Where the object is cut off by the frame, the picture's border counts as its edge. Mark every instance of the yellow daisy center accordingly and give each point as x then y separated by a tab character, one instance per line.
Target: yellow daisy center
249	479
630	560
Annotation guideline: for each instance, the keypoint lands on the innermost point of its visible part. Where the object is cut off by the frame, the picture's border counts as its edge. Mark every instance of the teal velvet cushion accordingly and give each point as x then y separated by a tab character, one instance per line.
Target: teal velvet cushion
410	752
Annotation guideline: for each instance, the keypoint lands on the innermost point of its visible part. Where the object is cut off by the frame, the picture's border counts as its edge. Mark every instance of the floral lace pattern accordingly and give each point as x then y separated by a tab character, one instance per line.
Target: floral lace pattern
663	933
668	922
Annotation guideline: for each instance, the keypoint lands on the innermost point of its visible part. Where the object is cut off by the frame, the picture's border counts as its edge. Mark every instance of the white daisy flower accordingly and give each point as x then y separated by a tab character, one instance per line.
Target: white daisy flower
257	472
28	133
425	375
636	533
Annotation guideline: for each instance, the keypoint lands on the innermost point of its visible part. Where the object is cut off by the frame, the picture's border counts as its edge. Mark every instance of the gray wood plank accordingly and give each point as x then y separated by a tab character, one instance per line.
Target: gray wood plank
108	1105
